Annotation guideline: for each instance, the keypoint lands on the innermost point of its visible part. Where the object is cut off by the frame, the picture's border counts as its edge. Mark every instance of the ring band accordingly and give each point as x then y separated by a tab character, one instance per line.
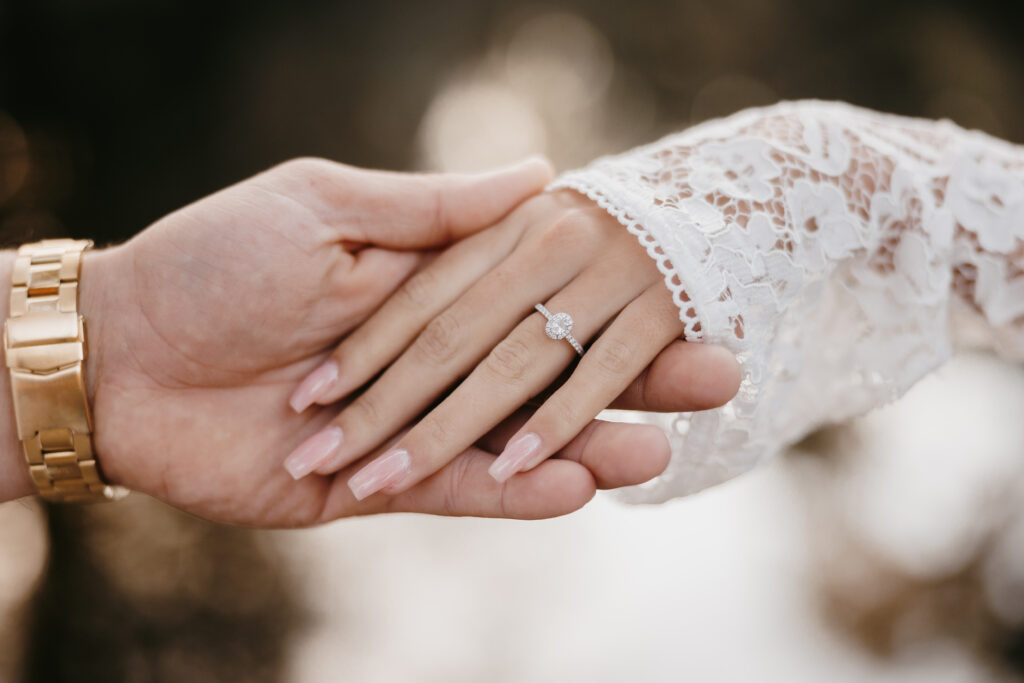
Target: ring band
559	326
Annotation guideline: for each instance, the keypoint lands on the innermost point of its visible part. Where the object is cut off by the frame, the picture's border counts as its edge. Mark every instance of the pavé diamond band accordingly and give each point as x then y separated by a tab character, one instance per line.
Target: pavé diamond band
559	326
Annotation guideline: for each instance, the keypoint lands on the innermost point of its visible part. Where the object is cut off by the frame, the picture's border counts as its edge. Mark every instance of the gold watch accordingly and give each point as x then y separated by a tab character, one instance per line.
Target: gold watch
44	341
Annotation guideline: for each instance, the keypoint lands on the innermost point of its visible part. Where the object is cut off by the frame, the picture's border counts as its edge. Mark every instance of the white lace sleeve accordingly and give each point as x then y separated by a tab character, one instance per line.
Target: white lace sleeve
838	251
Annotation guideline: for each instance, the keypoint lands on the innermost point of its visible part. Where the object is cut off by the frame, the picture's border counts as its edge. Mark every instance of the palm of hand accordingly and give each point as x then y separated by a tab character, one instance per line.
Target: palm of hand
217	322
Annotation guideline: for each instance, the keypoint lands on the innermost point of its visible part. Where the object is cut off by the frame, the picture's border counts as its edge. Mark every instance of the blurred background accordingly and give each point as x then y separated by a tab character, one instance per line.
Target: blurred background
890	549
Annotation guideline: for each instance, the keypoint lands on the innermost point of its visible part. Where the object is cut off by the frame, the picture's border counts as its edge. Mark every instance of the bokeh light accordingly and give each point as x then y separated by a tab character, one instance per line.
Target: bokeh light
474	124
561	61
14	158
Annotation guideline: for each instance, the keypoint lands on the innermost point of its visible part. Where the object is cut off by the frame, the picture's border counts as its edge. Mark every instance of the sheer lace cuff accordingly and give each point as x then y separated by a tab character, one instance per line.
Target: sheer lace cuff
827	246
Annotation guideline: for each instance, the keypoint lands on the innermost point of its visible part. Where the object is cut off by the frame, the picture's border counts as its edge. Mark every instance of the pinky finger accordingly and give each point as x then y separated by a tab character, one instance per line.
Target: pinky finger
637	335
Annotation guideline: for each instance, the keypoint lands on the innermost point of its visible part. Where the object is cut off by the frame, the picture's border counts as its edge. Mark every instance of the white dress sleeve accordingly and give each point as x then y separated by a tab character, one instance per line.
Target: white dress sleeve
839	252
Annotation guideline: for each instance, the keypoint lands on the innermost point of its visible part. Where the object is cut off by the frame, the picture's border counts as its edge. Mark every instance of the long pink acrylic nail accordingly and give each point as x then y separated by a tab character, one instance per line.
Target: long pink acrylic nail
387	470
516	456
316	384
313	452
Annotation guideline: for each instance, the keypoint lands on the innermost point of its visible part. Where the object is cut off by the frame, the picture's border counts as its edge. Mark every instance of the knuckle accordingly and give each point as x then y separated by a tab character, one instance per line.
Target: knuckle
643	391
613	357
439	340
425	198
435	431
417	292
366	410
503	277
457	481
509	360
561	413
438	205
304	166
576	226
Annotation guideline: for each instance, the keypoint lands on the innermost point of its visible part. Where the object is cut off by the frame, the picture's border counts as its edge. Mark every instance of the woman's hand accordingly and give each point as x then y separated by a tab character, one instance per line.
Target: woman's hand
470	314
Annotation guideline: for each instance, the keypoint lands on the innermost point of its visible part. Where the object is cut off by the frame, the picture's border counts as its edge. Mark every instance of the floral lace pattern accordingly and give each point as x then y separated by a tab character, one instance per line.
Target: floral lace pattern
839	252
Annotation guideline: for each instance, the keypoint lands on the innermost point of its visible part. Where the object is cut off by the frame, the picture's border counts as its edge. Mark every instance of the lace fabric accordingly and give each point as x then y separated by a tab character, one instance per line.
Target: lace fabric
839	252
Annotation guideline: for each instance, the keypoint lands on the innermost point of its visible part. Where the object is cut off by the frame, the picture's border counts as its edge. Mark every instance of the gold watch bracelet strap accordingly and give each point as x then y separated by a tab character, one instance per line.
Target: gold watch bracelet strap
44	340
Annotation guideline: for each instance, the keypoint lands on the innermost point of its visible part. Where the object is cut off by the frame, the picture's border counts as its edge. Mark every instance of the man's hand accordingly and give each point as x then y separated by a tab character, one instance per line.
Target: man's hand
200	327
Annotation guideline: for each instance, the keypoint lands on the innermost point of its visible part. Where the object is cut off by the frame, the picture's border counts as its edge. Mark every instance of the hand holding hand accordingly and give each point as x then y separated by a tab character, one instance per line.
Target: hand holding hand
471	312
201	325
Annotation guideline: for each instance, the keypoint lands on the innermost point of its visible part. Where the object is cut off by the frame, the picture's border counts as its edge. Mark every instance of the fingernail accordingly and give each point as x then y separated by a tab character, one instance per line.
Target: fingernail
313	452
316	384
517	454
386	470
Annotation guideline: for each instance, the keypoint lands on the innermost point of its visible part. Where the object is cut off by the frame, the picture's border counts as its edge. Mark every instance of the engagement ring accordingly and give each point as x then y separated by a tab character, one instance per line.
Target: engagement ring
559	326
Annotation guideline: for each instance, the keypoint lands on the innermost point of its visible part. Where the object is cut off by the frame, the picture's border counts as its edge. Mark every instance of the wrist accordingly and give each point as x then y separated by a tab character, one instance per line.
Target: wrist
103	298
96	303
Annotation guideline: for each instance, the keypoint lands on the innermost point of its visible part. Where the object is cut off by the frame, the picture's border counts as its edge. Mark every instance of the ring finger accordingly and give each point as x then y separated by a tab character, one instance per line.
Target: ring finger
635	337
525	362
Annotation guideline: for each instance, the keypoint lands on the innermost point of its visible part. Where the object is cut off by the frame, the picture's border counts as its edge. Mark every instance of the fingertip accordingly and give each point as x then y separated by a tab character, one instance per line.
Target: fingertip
552	489
333	465
381	474
313	452
655	453
515	457
632	454
523	178
315	386
536	167
724	377
687	376
539	167
297	404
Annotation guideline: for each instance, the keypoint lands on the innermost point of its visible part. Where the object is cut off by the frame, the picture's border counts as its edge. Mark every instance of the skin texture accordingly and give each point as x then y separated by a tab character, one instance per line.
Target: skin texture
202	325
469	314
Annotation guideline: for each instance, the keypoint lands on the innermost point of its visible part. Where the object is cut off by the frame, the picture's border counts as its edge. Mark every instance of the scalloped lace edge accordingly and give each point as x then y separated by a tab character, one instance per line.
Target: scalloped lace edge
675	282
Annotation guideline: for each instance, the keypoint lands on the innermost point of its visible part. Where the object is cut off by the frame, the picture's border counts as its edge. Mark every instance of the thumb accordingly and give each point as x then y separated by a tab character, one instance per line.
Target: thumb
685	376
430	210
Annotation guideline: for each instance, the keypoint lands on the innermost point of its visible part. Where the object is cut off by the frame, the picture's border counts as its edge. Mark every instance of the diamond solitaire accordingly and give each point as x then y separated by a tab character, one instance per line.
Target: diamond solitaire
559	326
